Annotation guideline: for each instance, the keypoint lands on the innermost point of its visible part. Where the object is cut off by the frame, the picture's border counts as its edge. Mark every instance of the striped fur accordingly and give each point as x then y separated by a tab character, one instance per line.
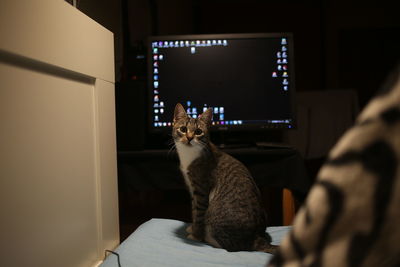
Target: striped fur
352	214
226	203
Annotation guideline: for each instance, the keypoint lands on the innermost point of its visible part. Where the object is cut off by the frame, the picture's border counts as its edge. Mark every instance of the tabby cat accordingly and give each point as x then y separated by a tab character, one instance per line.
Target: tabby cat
226	204
352	214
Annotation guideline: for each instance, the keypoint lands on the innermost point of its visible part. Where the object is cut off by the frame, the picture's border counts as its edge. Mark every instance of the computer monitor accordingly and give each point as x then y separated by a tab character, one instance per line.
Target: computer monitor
247	79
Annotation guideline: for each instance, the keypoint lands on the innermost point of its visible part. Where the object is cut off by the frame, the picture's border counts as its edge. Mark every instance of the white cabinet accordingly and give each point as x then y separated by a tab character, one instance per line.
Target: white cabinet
58	177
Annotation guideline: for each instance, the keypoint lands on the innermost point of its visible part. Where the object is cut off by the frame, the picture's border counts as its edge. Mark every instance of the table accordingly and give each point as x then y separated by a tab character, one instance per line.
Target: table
159	169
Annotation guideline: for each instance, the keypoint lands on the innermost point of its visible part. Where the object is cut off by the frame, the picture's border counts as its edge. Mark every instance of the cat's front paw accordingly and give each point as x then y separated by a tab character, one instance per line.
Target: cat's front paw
272	249
189	229
192	237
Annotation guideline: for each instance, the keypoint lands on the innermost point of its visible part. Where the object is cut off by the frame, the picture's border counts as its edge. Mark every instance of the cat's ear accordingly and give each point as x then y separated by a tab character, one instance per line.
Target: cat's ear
179	112
206	116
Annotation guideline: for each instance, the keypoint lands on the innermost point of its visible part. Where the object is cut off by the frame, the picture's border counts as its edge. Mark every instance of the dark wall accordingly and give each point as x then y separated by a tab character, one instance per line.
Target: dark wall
362	44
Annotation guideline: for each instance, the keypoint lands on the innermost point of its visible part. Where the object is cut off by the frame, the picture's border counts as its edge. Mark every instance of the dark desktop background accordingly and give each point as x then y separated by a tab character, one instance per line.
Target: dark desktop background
233	77
339	44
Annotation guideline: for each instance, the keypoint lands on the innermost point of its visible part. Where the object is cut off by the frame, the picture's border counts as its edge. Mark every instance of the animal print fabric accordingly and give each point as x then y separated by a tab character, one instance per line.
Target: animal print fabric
351	216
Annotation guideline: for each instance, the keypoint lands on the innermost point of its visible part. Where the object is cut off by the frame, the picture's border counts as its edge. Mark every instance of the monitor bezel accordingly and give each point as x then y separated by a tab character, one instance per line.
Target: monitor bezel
216	128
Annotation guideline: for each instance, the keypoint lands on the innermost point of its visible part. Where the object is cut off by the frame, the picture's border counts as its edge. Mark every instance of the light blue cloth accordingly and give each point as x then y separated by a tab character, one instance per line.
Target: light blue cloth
163	242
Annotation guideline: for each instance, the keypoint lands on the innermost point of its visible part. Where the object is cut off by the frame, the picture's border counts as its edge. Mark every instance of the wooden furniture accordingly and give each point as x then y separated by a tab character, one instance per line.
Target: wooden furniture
288	207
58	176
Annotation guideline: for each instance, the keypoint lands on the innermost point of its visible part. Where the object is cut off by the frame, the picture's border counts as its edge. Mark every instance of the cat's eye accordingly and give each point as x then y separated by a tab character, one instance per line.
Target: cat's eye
198	132
183	129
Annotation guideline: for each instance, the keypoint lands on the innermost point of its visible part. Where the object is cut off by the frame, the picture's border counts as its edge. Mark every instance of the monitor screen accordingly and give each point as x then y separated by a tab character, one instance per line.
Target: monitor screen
247	79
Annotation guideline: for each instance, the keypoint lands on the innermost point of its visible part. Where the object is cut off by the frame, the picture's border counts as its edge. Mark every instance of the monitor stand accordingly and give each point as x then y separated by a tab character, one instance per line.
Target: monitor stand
235	146
225	141
262	140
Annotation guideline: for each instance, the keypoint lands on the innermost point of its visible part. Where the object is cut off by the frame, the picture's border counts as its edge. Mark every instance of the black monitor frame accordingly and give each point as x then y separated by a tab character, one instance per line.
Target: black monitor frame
224	128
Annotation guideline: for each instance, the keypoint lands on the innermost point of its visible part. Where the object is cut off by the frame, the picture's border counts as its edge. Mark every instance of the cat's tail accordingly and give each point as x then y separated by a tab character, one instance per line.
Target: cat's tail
263	243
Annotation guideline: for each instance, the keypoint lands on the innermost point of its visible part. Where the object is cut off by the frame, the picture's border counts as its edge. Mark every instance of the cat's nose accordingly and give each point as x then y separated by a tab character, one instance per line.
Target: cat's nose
189	138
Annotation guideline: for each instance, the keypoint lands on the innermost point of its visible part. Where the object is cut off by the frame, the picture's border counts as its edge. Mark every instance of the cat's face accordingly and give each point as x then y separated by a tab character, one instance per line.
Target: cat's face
189	131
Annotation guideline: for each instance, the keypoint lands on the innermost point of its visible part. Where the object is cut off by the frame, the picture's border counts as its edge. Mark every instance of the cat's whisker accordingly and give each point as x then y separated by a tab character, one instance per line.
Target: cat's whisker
171	142
172	149
204	145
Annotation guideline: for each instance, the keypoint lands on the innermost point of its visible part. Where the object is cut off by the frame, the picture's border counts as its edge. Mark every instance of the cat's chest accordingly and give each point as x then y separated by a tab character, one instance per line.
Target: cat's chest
187	154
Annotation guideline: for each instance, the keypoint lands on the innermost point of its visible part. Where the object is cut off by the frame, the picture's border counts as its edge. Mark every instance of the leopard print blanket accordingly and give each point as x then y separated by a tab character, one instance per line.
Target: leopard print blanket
351	216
